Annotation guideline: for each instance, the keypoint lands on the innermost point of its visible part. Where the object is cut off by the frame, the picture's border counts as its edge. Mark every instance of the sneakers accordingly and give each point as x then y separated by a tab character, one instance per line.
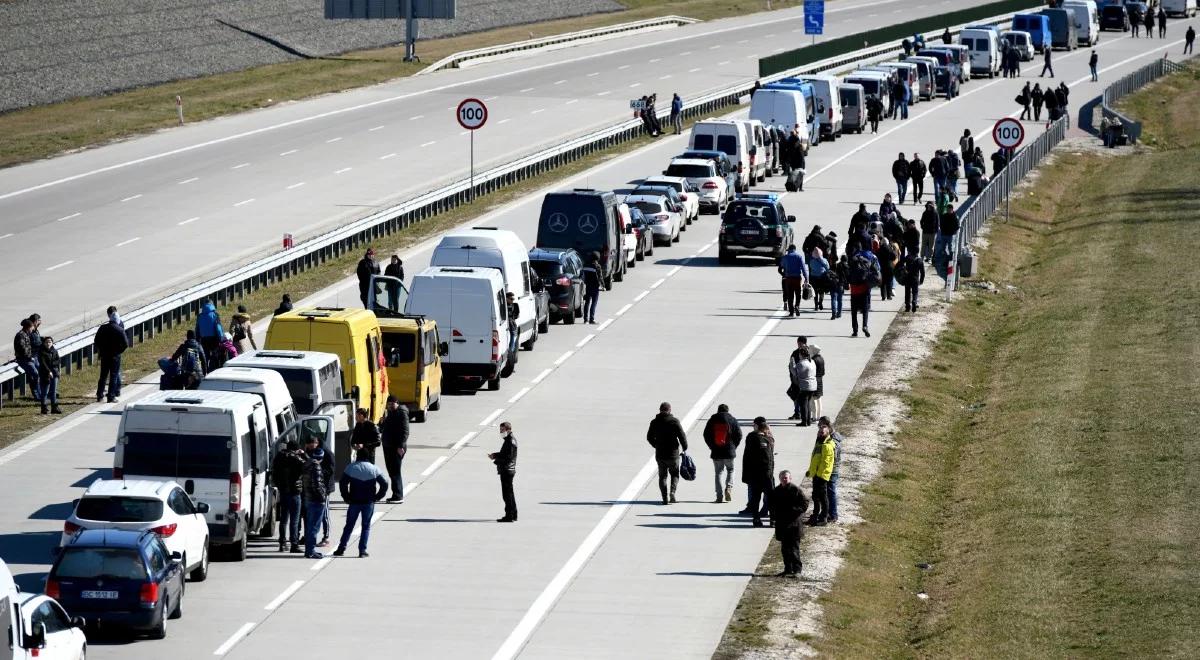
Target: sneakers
363	555
673	500
395	500
295	549
758	522
339	552
854	334
719	500
866	333
315	555
729	493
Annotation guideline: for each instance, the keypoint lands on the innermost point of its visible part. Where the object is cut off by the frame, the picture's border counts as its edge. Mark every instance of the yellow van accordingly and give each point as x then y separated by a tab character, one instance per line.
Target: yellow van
353	335
413	353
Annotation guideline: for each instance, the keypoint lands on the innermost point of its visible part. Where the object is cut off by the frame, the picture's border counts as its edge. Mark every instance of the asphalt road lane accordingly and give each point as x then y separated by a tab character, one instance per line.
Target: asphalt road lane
177	206
445	580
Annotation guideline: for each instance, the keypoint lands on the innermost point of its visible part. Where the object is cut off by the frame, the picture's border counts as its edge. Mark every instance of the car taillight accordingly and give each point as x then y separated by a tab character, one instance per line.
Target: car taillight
118	473
661	217
563	281
778	233
53	590
495	345
831	114
164	530
148	594
710	185
235	491
70	528
683	197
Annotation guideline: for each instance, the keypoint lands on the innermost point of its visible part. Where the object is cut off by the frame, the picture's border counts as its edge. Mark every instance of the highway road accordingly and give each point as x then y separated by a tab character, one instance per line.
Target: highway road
595	567
174	207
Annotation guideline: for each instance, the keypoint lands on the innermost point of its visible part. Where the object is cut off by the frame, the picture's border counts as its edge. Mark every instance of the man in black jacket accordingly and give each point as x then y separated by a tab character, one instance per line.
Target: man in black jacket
394	429
286	472
110	343
901	172
911	239
367	266
25	354
316	492
723	435
796	159
666	435
366	436
506	466
938	169
815	240
929	230
758	467
788	504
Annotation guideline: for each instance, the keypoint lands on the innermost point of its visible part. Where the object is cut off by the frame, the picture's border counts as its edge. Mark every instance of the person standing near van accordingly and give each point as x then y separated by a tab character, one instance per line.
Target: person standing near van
592	282
666	435
365	437
285	305
367	266
917	172
110	343
394	432
1046	66
315	492
723	435
901	172
874	112
287	472
361	487
676	113
1092	62
210	333
506	466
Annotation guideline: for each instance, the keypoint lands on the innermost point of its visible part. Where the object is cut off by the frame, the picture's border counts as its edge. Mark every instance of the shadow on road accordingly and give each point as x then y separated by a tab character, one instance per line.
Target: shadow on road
29	547
707	574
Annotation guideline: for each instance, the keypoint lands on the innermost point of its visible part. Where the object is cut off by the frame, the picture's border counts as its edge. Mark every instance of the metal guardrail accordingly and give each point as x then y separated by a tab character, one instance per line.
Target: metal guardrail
170	311
1130	83
455	60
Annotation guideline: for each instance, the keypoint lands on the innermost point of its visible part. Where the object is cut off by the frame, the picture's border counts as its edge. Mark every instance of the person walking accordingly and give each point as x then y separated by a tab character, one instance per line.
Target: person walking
1037	97
818	277
1189	39
287	472
242	331
825	428
365	437
361	486
948	226
1135	21
1149	24
1024	99
820	469
912	276
591	288
837	280
999	161
723	435
210	333
25	355
1061	95
864	273
1046	66
110	342
789	506
938	169
886	254
803	374
1162	22
901	172
910	240
49	365
758	470
367	266
505	461
676	114
1092	62
818	361
797	163
666	435
285	305
316	491
916	173
966	144
393	430
954	166
874	112
794	272
929	229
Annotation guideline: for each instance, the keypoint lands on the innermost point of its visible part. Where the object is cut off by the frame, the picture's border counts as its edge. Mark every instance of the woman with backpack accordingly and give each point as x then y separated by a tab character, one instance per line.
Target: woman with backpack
243	331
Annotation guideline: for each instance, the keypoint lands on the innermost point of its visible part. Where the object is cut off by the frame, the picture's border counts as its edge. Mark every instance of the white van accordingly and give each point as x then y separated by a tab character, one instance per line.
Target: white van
488	247
782	108
984	46
266	384
927	73
312	377
854	107
215	444
36	625
468	305
728	136
760	153
1184	8
1087	20
1020	40
874	83
826	89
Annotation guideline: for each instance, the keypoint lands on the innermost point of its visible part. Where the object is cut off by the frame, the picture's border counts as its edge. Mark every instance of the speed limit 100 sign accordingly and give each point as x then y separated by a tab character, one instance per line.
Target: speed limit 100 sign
1008	133
472	114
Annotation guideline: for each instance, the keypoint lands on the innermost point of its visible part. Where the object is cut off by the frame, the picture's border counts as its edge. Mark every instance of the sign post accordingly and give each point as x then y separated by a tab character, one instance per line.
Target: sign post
472	114
1008	133
814	18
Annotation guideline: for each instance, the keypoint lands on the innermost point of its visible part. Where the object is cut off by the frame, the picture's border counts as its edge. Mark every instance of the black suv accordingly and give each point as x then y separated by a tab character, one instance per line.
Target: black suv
754	225
586	221
561	271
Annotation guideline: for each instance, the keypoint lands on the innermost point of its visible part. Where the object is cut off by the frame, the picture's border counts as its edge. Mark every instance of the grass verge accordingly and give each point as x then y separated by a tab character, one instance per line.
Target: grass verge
44	131
1047	474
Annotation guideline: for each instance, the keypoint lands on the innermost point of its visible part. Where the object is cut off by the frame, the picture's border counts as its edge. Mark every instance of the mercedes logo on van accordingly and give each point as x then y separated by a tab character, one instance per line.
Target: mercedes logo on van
588	223
558	222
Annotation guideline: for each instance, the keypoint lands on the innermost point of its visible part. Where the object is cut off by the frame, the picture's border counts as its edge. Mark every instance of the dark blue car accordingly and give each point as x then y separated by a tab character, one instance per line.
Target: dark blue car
119	579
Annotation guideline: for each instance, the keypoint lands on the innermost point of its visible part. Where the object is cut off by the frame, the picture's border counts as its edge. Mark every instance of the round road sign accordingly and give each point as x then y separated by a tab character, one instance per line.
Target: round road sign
472	114
1008	133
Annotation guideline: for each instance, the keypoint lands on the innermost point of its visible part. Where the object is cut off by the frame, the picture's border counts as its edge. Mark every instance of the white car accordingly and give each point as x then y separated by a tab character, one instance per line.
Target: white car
665	223
158	506
703	176
1020	40
688	194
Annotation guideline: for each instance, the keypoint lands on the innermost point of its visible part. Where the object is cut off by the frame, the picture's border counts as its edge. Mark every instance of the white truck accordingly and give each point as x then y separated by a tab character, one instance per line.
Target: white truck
36	626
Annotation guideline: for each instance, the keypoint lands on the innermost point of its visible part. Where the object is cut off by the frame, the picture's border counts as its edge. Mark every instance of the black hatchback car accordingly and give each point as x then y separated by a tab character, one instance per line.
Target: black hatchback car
119	578
754	225
561	271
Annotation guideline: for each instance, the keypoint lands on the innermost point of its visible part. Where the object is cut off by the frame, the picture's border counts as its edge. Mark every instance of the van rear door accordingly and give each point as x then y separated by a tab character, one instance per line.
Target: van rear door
472	322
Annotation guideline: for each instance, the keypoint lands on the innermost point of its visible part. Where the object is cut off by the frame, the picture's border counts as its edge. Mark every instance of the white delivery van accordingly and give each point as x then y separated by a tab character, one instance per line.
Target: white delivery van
1020	40
266	384
728	136
1087	20
784	109
215	444
1184	8
36	626
825	87
854	107
488	247
760	149
984	46
468	305
874	83
312	377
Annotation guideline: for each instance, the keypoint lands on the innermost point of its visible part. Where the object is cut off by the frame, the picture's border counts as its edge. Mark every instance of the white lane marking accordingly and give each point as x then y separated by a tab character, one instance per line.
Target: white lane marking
426	144
187	181
240	166
287	593
189	221
68	217
673	271
462	133
244	202
132	240
626	308
131	198
322	563
604	325
638	297
559	82
604	93
5	236
527	89
416	117
490	98
435	465
656	59
57	266
376	128
751	57
410	487
719	45
542	376
289	152
658	283
743	41
571	101
693	70
463	441
295	185
492	417
343	170
505	121
635	85
520	393
332	140
623	67
594	73
391	155
583	342
723	63
234	639
547	598
664	77
563	358
537	111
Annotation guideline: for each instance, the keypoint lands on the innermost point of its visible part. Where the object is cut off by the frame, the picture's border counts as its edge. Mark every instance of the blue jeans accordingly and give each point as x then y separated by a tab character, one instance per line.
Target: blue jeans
590	300
110	373
366	511
31	377
835	300
832	489
289	518
50	392
313	511
910	295
904	110
902	189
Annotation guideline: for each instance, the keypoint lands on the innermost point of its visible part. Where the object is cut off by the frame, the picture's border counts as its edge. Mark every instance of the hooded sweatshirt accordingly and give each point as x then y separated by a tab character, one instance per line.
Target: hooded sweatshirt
208	324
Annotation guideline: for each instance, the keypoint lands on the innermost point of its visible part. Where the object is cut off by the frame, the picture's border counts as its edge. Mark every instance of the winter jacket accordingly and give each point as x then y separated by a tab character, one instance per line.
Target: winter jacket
666	435
506	458
814	240
817	267
788	504
243	334
938	167
287	471
803	374
837	451
948	225
930	221
591	278
394	429
110	340
792	265
917	169
822	460
1036	95
48	362
914	270
912	240
818	361
313	480
366	268
722	435
283	308
901	170
394	270
208	323
23	346
362	483
676	106
966	145
196	364
366	434
758	460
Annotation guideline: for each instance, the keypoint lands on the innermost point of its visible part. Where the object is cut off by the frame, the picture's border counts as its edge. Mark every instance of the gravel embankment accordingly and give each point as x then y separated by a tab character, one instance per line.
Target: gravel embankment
52	50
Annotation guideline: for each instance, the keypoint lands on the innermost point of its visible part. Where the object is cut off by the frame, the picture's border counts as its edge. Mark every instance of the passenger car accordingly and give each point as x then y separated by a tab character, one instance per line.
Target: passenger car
754	225
36	625
119	578
139	505
665	221
644	236
561	272
688	195
705	174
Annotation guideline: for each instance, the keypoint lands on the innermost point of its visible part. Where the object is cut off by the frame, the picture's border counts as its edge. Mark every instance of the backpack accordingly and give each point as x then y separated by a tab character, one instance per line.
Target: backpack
863	270
190	363
720	431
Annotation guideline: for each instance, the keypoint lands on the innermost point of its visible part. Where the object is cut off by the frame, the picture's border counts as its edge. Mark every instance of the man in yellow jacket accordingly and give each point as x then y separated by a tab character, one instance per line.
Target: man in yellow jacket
820	468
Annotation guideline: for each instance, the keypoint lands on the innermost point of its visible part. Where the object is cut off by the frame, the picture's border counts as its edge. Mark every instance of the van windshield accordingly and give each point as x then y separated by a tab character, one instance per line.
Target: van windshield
119	509
690	171
300	385
175	455
91	563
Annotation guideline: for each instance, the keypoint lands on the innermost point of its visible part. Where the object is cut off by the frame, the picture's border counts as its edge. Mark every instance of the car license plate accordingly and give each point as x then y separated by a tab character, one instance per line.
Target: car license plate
749	232
109	595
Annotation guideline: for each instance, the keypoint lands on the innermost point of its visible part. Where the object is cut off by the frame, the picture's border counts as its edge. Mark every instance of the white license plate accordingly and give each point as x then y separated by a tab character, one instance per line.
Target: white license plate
109	595
749	232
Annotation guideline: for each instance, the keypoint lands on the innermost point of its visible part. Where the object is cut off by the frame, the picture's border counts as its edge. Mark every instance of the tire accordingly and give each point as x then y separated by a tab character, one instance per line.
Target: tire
178	611
619	276
160	631
493	384
267	530
544	326
650	248
676	239
569	319
639	255
200	573
436	405
509	368
608	282
237	551
419	417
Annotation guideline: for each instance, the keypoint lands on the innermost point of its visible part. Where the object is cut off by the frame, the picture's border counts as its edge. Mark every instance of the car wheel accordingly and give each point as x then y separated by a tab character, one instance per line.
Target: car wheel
159	631
267	529
544	325
619	276
436	405
650	247
608	281
237	551
493	384
675	239
683	226
200	573
532	340
418	416
178	611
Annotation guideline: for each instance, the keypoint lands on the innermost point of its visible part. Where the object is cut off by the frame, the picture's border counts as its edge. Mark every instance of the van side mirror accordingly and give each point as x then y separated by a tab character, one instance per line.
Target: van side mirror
176	556
444	349
202	507
78	622
791	218
36	639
